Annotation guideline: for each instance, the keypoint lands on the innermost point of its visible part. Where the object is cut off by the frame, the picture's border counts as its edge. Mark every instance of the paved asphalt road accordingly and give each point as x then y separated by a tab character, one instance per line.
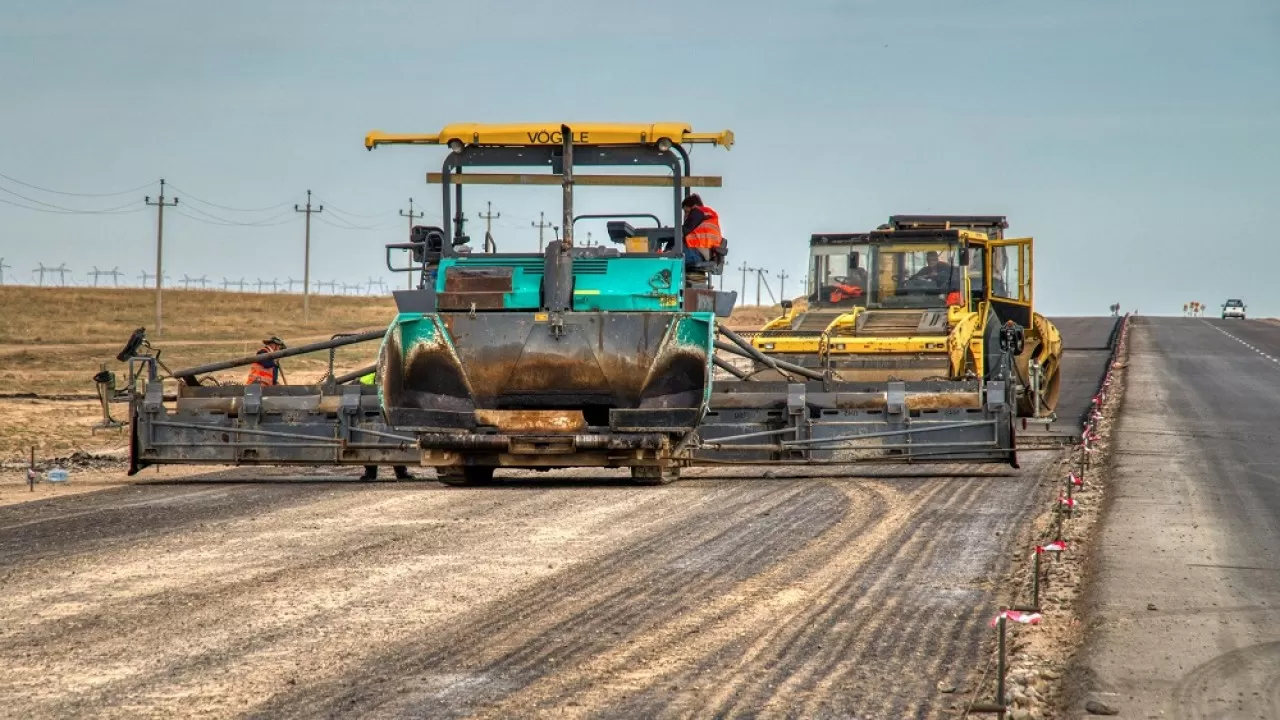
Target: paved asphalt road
1086	346
1188	586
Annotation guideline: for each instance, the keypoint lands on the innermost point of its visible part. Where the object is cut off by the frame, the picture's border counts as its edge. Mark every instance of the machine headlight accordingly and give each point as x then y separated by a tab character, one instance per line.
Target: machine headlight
664	144
767	346
455	145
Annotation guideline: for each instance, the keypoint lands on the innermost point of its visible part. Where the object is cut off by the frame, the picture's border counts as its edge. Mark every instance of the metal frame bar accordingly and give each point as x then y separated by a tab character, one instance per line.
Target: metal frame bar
548	156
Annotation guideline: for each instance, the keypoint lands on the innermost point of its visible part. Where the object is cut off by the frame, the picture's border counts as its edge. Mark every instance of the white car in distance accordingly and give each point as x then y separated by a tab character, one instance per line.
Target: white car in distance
1233	308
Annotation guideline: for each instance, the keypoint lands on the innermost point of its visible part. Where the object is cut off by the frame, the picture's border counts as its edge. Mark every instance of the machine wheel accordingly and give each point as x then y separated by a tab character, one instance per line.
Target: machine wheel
653	475
465	475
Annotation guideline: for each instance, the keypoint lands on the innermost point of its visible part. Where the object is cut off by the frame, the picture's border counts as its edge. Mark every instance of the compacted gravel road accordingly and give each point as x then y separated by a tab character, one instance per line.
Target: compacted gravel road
860	592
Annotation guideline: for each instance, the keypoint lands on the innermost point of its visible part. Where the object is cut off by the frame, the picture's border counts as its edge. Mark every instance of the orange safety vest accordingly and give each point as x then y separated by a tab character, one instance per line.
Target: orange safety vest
259	375
707	234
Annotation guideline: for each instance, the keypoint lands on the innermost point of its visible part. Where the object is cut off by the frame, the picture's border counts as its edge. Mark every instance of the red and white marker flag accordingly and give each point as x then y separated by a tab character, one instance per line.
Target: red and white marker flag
1018	617
1075	480
1064	500
1055	546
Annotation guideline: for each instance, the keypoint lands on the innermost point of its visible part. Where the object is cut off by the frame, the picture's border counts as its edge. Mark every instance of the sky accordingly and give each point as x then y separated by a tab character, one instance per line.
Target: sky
1138	142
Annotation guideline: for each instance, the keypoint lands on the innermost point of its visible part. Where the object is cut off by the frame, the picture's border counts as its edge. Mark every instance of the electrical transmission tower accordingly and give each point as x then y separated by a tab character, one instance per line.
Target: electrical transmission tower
160	205
147	277
291	282
61	270
378	283
228	283
411	217
3	267
306	257
41	270
331	284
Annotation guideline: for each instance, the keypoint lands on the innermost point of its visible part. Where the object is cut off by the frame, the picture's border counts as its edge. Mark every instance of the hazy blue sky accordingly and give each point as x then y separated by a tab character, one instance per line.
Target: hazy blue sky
1139	142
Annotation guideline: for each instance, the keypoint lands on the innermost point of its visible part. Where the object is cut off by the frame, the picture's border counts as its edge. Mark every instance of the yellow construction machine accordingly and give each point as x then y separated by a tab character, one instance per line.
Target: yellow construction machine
922	298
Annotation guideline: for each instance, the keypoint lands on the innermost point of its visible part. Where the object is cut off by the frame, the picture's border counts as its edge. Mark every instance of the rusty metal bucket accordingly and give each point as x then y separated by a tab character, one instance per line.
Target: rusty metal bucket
625	371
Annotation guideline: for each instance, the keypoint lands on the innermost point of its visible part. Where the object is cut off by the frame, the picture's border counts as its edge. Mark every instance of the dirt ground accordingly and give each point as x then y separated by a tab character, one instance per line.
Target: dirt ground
806	594
60	337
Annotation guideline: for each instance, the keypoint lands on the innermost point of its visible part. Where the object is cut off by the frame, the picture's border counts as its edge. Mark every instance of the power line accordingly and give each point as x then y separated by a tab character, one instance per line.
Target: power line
74	194
216	220
228	207
340	211
349	226
59	210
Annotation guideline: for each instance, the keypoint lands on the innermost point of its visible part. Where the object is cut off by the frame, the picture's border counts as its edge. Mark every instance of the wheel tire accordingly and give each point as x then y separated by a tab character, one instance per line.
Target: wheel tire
652	475
465	475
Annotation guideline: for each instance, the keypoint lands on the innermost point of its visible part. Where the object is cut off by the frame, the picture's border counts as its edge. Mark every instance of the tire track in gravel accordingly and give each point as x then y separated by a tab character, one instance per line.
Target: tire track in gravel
567	620
717	621
85	523
807	660
734	636
206	612
852	620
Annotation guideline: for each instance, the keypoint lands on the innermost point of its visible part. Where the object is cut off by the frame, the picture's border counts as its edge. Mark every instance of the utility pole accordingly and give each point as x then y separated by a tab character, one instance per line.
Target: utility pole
115	275
760	278
411	217
95	272
782	286
291	282
62	273
41	269
542	224
488	217
3	267
160	205
306	261
744	270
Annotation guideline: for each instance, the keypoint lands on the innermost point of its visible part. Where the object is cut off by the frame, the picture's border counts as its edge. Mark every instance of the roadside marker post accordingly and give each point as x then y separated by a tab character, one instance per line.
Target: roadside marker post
1001	706
1055	547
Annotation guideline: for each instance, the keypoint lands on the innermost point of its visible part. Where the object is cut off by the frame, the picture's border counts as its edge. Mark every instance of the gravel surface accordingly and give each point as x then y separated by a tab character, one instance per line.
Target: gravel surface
808	593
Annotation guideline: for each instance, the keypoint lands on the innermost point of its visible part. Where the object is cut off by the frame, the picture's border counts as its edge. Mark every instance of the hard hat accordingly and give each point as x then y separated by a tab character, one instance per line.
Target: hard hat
275	340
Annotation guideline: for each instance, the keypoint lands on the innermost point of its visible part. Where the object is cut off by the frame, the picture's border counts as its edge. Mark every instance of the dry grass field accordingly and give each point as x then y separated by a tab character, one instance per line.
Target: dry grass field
53	340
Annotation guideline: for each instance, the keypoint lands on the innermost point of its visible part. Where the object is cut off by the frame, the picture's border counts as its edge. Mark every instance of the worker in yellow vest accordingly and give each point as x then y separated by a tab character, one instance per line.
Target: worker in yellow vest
371	471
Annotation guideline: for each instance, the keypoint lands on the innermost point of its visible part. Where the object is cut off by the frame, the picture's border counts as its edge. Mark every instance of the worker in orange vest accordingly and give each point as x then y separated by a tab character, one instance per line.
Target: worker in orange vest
701	229
267	372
